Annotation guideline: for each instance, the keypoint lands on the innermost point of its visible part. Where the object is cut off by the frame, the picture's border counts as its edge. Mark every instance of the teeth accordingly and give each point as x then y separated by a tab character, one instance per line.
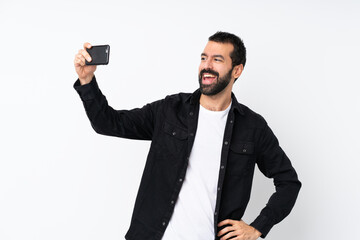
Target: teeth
208	75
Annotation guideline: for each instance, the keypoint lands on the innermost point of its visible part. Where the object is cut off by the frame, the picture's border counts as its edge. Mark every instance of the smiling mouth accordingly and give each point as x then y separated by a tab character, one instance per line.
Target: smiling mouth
208	78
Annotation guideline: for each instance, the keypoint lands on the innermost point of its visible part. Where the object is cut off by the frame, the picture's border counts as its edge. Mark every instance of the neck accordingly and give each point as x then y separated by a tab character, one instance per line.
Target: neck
218	102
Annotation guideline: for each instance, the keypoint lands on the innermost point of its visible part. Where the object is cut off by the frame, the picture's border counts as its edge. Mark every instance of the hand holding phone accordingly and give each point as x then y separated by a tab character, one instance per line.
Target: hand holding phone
88	58
99	55
85	72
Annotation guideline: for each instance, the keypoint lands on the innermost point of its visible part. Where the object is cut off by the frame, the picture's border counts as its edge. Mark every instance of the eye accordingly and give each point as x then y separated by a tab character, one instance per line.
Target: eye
202	58
218	60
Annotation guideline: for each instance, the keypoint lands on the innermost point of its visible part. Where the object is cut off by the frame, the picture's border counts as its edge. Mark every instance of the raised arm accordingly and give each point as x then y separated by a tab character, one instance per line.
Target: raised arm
137	123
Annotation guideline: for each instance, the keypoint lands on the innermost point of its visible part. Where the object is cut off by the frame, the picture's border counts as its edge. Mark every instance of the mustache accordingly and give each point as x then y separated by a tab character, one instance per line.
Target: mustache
209	71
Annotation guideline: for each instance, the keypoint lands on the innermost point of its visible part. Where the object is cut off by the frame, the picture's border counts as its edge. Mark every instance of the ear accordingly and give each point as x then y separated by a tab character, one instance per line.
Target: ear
238	70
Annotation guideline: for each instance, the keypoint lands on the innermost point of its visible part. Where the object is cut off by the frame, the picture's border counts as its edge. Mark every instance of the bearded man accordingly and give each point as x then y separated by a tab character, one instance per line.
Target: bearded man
204	147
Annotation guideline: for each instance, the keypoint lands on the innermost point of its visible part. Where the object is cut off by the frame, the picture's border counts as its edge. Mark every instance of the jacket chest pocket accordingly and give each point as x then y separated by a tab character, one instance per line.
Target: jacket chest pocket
174	139
175	132
241	158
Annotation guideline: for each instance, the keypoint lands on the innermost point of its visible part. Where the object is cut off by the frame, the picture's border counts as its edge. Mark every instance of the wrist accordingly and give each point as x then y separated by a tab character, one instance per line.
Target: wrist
257	233
86	80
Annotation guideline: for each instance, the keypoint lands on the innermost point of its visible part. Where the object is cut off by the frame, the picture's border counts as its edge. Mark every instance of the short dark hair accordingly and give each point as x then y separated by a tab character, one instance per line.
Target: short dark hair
238	56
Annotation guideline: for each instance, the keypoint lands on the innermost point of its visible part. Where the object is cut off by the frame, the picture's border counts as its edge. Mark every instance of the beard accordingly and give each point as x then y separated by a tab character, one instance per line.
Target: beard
217	86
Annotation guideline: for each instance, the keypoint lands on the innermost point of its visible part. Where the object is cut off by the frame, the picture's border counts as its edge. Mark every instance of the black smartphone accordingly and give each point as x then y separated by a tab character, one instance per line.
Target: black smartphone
99	55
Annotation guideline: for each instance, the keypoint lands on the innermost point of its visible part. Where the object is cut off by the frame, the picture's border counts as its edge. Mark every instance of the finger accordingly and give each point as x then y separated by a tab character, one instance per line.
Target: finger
76	60
87	45
80	60
226	221
229	235
85	54
78	63
225	230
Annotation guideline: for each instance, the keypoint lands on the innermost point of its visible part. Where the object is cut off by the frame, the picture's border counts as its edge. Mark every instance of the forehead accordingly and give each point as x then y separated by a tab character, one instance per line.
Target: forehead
215	48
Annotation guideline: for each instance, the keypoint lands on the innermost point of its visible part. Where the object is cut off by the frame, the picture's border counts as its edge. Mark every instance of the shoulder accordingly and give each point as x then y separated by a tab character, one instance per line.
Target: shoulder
177	100
251	117
172	98
182	97
171	103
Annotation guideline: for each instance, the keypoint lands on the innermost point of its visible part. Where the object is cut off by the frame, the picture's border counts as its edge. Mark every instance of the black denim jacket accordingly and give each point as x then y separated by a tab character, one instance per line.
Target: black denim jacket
171	125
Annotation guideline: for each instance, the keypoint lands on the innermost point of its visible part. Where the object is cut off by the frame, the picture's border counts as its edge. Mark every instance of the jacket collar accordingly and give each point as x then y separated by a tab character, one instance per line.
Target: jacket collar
194	98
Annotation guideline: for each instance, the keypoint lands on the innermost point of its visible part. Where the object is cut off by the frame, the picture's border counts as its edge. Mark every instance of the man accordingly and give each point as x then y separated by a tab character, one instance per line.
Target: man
198	175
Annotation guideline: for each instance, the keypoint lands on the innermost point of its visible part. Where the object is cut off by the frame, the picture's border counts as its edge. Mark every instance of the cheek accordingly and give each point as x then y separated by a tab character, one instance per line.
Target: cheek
225	71
201	67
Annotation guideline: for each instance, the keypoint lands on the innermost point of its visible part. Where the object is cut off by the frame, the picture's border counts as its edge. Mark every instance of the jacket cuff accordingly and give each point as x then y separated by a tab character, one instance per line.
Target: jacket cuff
263	224
87	91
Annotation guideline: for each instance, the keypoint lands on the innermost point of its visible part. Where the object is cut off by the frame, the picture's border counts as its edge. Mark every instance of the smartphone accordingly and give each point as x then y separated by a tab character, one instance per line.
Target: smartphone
99	55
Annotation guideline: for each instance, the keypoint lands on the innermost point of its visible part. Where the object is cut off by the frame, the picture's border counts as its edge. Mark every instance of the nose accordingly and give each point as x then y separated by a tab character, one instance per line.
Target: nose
207	64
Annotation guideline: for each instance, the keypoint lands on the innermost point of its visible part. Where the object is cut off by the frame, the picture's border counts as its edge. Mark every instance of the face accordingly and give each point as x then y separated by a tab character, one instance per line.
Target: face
215	70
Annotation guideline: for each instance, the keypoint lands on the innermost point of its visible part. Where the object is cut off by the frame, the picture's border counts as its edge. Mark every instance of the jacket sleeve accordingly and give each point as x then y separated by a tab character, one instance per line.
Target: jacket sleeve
273	163
137	123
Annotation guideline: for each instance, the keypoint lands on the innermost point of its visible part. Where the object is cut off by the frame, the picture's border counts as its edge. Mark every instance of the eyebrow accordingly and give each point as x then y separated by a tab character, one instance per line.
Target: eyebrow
218	55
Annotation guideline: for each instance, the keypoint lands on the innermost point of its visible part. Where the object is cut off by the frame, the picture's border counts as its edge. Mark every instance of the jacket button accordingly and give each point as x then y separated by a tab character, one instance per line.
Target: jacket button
174	133
222	167
172	202
164	223
180	180
192	134
191	113
244	150
215	213
218	189
231	121
226	142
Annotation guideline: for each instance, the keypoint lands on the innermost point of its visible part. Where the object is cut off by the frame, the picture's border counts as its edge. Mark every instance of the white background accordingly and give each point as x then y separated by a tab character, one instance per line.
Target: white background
61	180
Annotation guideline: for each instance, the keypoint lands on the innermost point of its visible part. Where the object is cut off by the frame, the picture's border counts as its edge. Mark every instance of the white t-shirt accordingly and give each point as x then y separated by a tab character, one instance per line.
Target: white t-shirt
193	216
